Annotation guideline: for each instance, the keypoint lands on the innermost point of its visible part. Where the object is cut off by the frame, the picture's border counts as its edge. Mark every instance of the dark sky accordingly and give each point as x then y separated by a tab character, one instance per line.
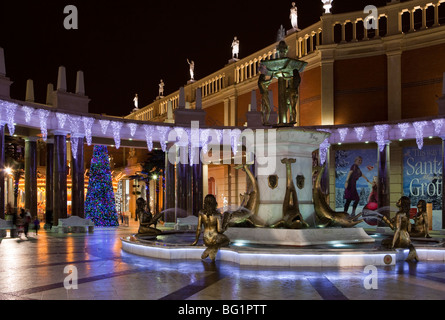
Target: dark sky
126	47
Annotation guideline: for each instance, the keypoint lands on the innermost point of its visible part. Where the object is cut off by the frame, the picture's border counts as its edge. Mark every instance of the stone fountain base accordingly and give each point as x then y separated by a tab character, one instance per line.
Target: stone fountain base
298	238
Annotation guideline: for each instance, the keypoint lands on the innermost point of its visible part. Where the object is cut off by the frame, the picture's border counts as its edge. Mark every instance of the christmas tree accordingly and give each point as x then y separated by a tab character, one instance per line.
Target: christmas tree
100	206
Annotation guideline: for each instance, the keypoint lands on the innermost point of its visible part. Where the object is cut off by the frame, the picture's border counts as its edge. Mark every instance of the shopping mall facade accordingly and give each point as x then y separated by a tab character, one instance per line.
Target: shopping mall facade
379	92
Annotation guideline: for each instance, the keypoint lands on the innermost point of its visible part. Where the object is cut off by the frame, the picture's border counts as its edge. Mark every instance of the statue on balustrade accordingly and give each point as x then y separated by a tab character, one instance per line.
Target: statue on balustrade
235	48
146	220
192	69
420	228
161	88
213	235
294	17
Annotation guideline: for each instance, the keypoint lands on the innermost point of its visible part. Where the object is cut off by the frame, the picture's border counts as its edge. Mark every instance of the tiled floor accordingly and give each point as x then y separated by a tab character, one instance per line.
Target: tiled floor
35	269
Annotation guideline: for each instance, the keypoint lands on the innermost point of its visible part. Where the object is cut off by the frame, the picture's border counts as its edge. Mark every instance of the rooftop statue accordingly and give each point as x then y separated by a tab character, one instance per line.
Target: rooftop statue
161	88
136	102
287	71
235	48
294	17
192	69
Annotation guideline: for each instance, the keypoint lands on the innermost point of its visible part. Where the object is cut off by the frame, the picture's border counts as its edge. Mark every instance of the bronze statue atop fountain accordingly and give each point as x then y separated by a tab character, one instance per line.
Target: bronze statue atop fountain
287	71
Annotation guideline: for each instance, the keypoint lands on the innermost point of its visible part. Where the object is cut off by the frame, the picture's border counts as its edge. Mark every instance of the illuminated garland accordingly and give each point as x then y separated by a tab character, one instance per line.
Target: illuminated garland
100	205
10	115
43	117
88	124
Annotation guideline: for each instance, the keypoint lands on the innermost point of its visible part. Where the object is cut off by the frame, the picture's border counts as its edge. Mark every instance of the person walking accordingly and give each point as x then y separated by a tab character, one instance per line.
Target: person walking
37	224
49	219
27	220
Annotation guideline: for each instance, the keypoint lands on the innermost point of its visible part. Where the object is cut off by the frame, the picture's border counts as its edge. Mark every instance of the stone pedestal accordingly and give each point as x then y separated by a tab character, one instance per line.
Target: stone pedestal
299	238
286	143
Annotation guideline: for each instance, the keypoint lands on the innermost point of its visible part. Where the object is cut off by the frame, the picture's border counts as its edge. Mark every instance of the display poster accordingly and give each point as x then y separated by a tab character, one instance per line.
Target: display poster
361	166
422	175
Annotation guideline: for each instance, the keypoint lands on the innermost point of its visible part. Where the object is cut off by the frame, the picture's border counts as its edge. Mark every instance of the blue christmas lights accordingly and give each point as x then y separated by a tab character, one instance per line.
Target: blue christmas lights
100	204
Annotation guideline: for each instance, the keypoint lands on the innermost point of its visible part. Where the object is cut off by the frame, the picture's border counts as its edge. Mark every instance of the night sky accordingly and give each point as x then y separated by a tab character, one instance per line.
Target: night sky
127	47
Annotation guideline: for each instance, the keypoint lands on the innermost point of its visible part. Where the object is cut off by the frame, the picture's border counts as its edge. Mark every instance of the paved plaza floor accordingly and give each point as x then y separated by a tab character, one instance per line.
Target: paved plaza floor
37	268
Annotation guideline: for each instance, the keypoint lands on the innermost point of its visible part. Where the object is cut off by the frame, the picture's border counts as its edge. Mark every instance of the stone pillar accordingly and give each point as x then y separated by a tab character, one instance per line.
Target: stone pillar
31	175
49	175
394	63
182	181
226	113
343	32
170	187
233	111
327	86
60	210
2	172
443	184
198	192
436	14
383	180
78	179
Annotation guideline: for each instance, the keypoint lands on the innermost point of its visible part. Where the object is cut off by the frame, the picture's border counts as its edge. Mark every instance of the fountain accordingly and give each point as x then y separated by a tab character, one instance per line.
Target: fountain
284	220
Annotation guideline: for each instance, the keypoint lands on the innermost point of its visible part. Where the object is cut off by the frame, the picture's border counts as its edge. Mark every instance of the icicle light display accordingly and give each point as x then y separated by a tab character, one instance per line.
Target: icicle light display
88	125
43	117
10	116
419	126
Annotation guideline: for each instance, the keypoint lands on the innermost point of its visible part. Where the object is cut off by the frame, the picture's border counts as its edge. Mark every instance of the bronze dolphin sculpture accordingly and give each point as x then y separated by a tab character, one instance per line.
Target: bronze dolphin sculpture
326	216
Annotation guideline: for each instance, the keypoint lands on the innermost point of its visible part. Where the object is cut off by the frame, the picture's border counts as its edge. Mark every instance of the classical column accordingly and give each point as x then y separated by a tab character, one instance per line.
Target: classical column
383	178
424	17
394	62
2	168
49	175
233	111
354	30
411	20
343	32
327	85
436	14
226	113
60	210
443	184
170	187
31	175
182	181
198	192
78	179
